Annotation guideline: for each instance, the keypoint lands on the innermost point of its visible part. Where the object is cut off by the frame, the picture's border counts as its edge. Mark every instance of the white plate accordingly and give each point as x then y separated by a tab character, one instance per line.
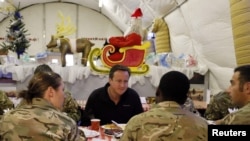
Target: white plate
108	127
122	126
89	133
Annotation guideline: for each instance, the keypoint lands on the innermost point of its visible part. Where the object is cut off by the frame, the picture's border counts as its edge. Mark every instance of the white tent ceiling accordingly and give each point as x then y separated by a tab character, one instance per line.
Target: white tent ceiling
118	11
198	27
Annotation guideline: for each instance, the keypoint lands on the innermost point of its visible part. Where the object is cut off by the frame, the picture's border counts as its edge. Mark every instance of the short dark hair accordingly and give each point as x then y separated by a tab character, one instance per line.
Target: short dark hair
244	75
43	68
117	68
174	86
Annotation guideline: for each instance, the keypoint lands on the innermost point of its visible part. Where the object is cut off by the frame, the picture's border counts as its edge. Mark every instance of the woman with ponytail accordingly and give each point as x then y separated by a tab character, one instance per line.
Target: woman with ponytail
41	118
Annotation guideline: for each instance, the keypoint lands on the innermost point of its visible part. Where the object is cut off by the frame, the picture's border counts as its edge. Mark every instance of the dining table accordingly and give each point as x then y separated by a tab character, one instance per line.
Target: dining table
97	136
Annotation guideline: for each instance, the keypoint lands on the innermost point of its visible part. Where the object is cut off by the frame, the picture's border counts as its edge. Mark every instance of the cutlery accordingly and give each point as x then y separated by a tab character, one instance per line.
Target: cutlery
116	124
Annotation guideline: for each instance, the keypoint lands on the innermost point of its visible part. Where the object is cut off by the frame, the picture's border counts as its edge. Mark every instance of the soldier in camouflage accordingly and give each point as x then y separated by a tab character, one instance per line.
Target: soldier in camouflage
239	91
167	120
218	106
70	106
189	105
5	103
41	118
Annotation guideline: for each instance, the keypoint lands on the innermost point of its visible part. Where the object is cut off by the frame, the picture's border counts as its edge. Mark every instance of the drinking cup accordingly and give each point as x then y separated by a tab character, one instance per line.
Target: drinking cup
95	124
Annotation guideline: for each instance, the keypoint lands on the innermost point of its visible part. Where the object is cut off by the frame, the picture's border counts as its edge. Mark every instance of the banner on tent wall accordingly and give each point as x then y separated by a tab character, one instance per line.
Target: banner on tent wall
240	17
88	38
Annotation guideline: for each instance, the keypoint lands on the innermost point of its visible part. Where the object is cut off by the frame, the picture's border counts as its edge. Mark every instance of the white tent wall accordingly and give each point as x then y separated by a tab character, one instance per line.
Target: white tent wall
51	18
201	28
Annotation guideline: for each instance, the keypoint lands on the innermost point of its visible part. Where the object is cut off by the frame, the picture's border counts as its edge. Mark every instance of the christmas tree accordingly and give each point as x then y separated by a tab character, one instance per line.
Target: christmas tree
16	40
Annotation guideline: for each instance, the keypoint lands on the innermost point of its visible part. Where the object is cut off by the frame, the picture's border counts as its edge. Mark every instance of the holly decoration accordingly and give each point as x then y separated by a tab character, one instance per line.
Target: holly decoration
16	40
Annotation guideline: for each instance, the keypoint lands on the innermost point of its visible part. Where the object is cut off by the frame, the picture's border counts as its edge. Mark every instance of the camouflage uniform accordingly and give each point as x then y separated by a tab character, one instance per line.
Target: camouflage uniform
166	121
240	117
21	103
5	103
218	106
70	107
39	121
189	105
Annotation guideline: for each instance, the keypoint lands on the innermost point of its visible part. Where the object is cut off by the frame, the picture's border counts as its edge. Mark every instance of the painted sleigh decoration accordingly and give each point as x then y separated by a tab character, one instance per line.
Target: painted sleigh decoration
133	57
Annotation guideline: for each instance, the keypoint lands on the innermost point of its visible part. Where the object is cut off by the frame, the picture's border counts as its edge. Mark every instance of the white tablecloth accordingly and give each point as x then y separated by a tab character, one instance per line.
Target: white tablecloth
81	81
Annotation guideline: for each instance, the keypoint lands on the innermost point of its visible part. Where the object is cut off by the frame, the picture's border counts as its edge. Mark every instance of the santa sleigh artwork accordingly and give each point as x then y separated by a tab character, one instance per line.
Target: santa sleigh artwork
128	50
132	57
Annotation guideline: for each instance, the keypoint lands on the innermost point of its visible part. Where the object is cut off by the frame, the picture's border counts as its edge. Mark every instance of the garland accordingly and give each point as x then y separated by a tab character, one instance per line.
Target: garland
16	40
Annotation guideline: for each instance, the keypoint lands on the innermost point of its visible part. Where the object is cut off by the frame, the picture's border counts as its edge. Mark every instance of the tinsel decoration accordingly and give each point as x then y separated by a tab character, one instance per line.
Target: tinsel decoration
16	40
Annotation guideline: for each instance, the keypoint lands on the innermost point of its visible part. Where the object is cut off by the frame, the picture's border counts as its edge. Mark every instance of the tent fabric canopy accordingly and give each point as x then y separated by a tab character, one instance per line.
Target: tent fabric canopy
200	28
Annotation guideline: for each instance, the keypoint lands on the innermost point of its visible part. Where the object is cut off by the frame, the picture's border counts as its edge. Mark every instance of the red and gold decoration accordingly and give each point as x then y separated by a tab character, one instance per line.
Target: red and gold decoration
128	50
133	57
